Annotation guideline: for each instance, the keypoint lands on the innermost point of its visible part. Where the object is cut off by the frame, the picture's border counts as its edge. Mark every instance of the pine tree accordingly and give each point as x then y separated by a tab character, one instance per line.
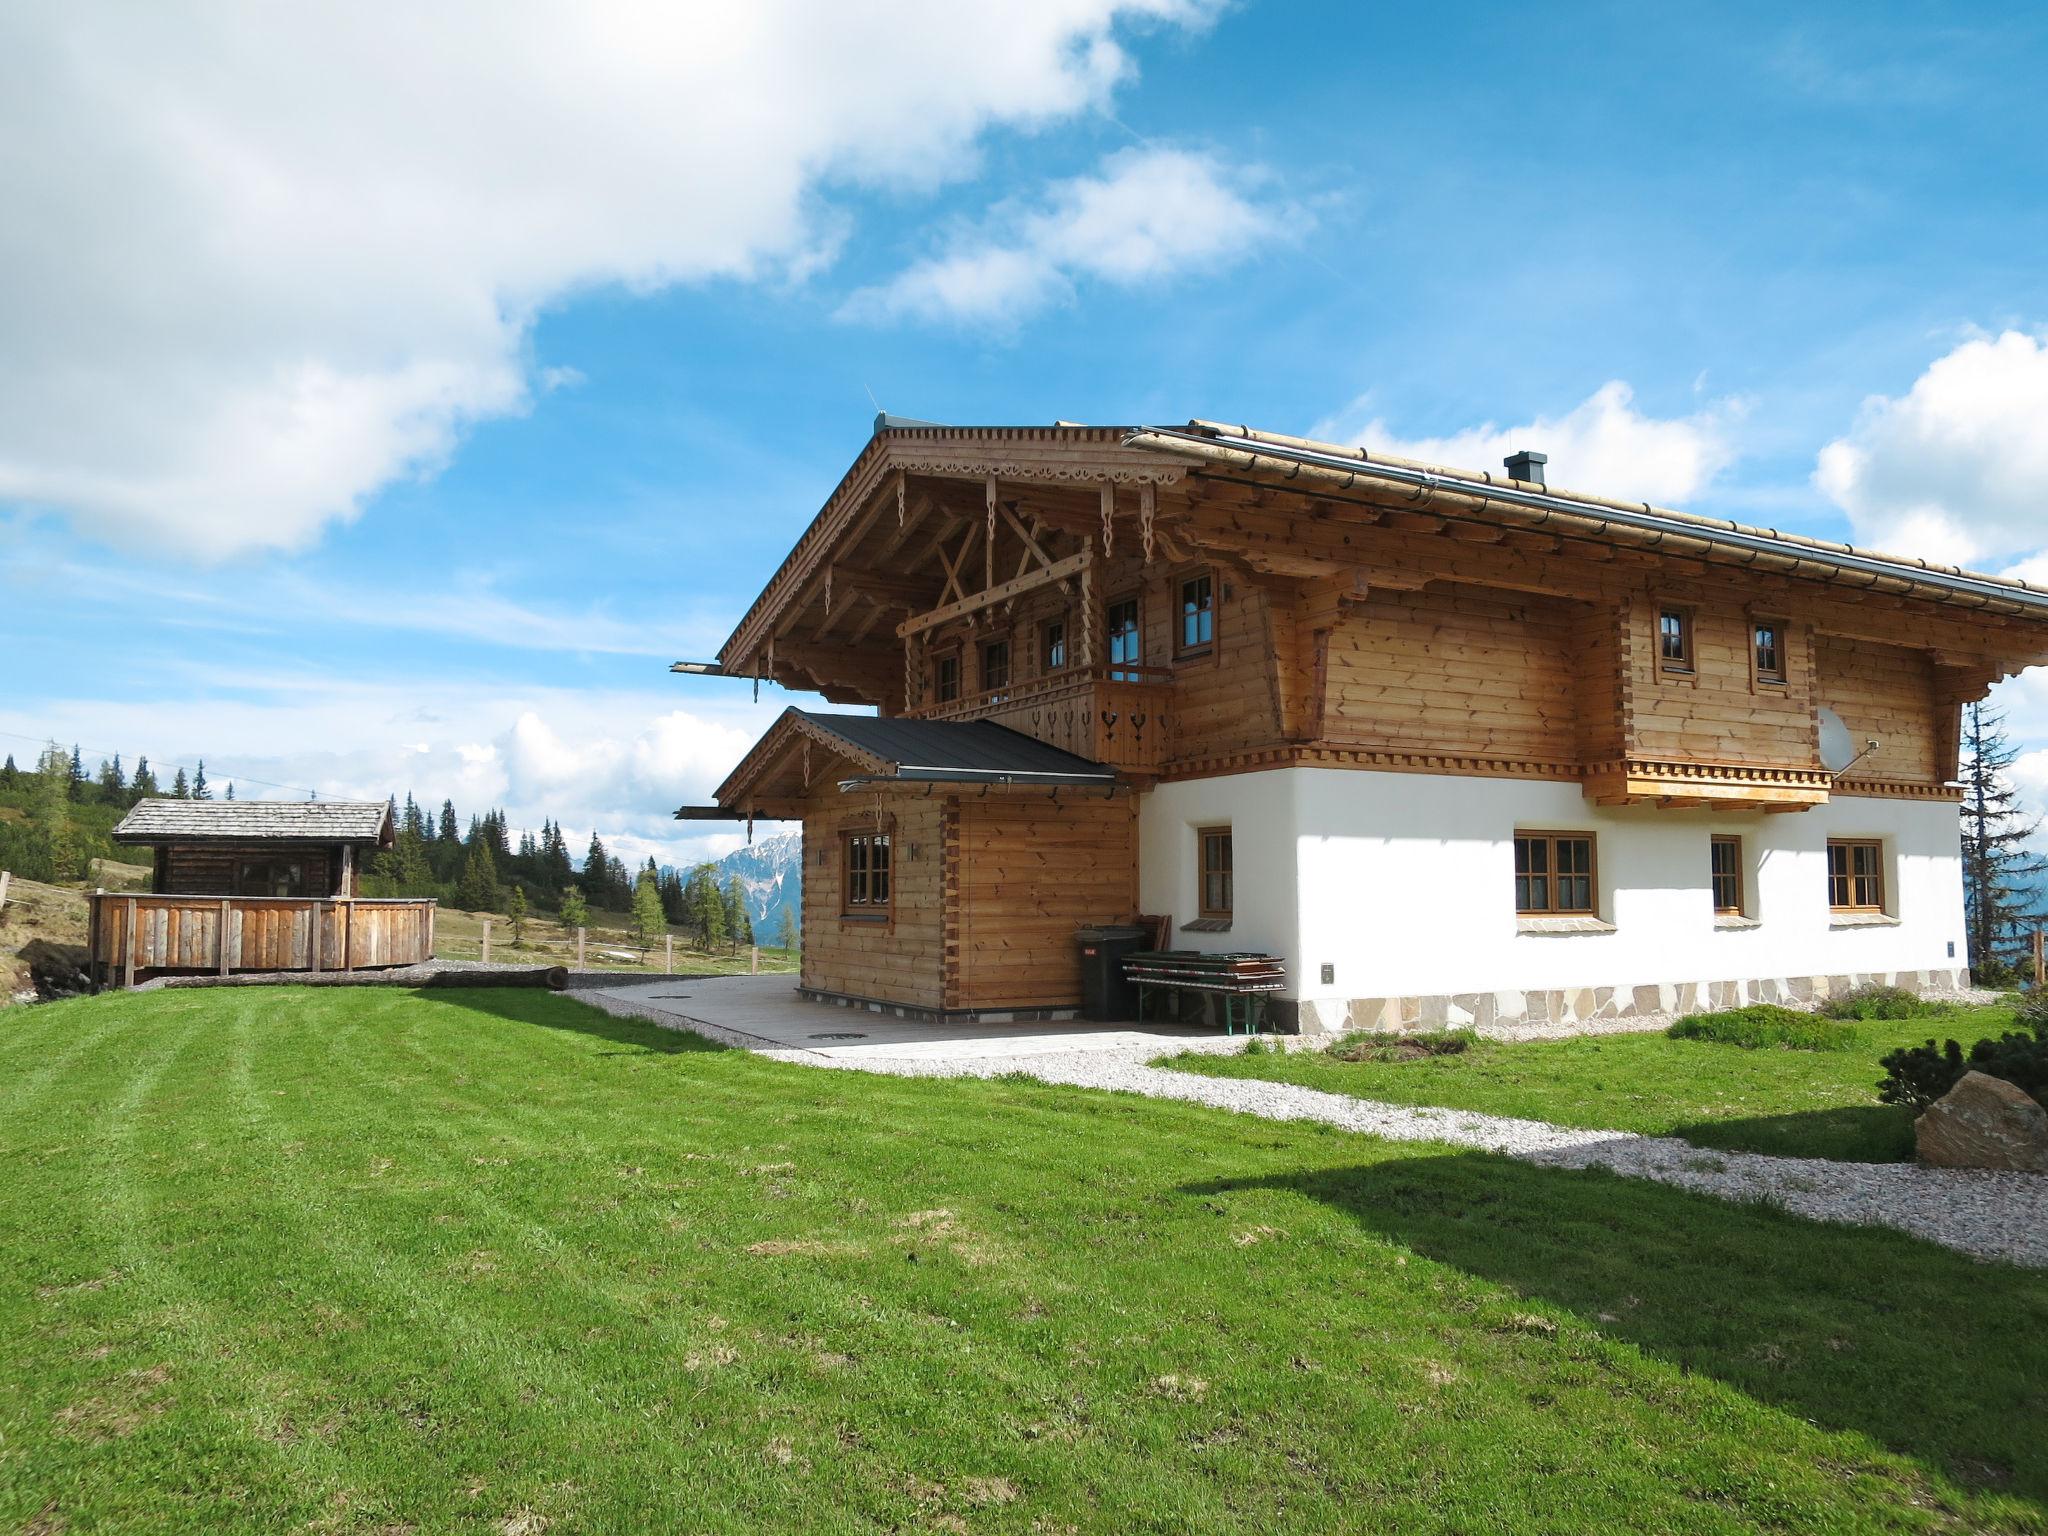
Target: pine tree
2002	878
479	890
231	789
113	787
739	927
786	935
649	921
515	908
75	790
143	785
704	904
597	873
575	909
180	790
450	832
410	817
199	789
9	774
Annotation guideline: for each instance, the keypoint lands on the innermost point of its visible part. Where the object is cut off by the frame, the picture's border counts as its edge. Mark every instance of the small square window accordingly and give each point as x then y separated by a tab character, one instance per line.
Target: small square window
1218	894
1674	640
1767	637
1197	615
1553	874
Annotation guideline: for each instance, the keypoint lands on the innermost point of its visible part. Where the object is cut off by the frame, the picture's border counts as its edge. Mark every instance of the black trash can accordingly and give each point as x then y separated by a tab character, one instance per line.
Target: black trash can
1106	997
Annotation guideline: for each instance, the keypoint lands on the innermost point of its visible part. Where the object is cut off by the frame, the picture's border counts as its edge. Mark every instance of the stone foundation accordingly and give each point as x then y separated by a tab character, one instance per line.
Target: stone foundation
1585	1005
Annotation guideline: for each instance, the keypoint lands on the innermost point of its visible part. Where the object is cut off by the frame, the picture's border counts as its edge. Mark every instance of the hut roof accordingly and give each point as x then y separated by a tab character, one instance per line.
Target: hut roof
256	821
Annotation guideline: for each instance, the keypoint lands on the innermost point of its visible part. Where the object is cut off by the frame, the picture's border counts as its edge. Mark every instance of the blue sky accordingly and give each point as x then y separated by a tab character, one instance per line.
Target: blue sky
391	399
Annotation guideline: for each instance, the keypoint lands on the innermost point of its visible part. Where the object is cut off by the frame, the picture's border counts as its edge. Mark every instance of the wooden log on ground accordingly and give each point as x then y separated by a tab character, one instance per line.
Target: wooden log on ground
554	978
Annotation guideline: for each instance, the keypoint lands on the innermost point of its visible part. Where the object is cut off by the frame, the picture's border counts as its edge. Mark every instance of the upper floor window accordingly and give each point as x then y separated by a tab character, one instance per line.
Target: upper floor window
1197	615
946	678
995	666
1120	631
1767	637
1674	640
1553	874
1725	865
1217	879
1855	875
1052	645
867	874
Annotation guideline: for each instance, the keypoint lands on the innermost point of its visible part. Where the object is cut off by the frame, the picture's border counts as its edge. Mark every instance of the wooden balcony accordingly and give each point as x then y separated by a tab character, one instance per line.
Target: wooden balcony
1725	786
131	935
1118	716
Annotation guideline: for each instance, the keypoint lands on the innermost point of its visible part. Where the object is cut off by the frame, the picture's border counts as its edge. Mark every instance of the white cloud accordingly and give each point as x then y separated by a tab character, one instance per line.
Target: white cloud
1147	215
1603	446
1956	469
259	260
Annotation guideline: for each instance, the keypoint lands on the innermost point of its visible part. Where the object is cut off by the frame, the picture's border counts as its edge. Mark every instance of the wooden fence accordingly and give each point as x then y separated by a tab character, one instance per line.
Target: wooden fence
222	934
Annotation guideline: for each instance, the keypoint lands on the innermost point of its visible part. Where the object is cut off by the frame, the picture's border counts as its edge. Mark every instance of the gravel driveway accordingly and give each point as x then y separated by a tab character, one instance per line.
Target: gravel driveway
1989	1215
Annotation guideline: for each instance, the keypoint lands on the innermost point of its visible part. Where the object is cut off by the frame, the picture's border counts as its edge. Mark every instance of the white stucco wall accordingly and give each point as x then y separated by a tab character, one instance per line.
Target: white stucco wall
1404	883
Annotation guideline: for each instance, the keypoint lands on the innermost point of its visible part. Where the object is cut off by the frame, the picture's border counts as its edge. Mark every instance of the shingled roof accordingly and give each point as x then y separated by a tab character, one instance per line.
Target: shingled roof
256	821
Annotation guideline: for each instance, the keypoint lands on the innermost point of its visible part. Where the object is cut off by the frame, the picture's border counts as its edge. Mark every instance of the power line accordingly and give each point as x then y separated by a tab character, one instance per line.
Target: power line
232	777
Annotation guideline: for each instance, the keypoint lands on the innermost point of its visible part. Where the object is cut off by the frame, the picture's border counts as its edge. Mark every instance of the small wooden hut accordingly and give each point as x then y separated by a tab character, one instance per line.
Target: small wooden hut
257	885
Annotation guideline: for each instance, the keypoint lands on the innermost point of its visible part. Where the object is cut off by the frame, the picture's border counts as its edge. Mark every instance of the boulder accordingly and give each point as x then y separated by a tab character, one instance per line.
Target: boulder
1984	1122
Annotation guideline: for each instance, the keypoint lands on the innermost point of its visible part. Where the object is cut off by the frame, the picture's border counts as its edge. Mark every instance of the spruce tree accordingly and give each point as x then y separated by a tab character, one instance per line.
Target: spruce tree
515	908
479	890
113	786
180	790
786	934
575	909
2002	877
649	921
231	789
705	904
597	872
143	786
199	789
449	832
739	927
9	774
76	788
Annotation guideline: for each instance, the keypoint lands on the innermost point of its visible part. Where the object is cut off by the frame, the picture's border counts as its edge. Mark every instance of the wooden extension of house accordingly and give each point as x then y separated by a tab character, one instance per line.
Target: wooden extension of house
255	885
1455	744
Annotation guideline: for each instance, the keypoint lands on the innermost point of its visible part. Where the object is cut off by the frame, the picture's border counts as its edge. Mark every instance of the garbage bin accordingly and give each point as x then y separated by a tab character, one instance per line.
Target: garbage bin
1106	997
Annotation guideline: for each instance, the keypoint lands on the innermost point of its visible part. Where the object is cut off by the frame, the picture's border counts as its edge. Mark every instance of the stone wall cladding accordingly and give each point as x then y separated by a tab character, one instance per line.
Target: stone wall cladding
1589	1005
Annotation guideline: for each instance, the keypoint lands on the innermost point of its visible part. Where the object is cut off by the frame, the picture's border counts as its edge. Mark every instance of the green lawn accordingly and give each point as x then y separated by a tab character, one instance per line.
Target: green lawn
1788	1103
494	1262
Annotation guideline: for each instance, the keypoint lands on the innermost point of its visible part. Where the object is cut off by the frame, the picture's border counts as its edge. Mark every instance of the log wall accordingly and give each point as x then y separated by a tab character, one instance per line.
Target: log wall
901	960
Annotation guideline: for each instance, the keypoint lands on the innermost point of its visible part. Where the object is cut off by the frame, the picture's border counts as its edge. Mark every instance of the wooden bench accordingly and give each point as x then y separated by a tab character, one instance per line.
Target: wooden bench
1241	980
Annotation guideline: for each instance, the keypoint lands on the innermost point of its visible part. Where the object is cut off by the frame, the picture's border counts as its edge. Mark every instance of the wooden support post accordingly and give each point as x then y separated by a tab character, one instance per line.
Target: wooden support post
487	941
2040	958
128	950
92	936
668	954
988	542
313	945
348	935
226	914
579	948
753	959
4	878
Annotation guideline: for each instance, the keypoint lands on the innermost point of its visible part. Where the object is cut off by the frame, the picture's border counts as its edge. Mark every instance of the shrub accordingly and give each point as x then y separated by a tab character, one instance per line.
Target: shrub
1766	1026
1920	1074
1446	1042
1877	1001
2032	1012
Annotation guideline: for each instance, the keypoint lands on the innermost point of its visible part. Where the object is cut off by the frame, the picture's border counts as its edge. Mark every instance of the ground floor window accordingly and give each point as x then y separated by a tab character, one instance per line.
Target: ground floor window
1218	893
1726	872
867	874
1553	874
1855	875
270	877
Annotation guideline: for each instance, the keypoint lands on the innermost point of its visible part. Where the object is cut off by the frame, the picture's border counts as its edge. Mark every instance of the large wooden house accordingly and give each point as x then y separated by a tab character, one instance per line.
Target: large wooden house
1456	745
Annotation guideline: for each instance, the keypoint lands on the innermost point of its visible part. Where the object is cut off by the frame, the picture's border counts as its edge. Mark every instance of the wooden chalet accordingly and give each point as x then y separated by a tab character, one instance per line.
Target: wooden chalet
256	885
1455	744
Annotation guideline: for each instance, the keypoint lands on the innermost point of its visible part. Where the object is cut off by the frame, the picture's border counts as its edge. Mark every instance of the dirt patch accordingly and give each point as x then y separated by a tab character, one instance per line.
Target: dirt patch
1403	1047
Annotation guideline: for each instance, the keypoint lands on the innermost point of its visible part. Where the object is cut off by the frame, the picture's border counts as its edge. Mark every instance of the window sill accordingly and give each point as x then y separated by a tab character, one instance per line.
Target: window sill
1735	922
1862	920
1555	925
864	917
1207	925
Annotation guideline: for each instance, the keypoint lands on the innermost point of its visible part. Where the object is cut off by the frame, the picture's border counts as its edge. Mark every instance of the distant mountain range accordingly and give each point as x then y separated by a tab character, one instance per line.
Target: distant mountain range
771	872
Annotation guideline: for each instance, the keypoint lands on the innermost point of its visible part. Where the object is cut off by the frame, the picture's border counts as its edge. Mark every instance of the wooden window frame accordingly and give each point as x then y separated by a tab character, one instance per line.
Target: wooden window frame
1759	676
940	660
1208	911
1876	878
1046	665
1136	598
1550	839
1009	664
1201	649
297	878
1739	876
1688	668
867	911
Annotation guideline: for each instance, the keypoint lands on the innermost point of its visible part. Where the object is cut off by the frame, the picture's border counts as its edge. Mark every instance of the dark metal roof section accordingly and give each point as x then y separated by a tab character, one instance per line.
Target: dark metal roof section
958	751
256	821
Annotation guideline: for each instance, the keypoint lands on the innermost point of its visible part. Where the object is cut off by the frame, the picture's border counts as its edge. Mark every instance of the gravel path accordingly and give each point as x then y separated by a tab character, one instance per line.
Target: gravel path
1989	1215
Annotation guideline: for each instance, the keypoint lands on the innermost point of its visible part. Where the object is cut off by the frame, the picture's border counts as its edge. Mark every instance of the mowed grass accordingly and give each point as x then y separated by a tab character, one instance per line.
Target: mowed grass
1785	1102
495	1262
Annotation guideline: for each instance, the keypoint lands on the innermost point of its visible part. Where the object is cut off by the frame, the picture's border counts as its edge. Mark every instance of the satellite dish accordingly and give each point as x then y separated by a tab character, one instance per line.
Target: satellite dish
1837	750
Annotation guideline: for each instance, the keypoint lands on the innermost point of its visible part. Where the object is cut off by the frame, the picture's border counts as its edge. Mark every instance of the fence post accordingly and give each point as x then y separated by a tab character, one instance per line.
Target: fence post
668	962
4	878
579	949
753	959
487	941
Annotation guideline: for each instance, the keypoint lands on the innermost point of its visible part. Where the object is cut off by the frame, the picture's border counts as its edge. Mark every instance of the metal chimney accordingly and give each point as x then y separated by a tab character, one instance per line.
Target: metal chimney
1527	466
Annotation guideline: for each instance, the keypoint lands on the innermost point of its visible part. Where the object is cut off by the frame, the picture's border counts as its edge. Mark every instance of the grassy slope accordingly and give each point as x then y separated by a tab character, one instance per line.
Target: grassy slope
1791	1103
365	1262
